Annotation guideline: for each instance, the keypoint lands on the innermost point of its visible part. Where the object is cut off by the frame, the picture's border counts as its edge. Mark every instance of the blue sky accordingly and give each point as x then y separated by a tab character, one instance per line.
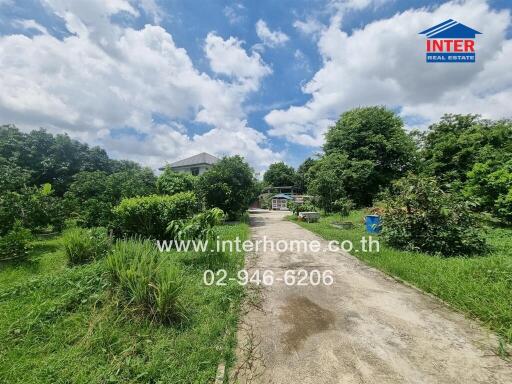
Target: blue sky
156	81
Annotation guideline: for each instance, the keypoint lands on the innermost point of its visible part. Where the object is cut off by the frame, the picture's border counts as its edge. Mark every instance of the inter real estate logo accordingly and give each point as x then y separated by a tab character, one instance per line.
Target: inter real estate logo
450	42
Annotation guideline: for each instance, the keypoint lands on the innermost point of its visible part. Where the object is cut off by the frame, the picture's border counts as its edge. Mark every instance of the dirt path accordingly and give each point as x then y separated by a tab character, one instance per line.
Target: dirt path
365	328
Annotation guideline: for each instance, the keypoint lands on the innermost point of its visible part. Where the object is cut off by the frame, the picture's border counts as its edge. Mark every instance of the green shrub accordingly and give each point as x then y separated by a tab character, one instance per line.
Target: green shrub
343	206
296	208
199	227
419	215
149	216
145	282
84	245
16	243
228	185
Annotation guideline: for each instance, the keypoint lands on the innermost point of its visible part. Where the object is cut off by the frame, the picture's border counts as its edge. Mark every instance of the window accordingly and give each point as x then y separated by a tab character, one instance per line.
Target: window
194	171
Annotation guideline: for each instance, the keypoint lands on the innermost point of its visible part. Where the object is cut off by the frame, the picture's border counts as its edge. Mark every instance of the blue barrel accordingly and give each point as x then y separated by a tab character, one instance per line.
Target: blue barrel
372	223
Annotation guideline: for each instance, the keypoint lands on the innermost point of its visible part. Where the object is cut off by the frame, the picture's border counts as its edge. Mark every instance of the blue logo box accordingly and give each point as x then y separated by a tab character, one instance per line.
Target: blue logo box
438	57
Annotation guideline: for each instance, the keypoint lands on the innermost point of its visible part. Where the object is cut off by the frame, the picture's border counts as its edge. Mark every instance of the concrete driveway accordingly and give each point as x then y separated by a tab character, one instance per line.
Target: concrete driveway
364	328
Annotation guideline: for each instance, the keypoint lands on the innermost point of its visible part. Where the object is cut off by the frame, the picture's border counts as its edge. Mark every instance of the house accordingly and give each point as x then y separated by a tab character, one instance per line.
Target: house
195	165
280	201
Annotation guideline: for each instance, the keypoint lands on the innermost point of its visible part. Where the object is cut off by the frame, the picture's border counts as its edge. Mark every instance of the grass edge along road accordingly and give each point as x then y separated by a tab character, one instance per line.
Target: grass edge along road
480	286
61	324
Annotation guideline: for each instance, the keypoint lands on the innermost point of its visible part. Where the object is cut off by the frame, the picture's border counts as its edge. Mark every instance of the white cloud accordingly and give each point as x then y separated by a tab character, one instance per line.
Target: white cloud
384	63
310	26
106	77
152	9
234	13
29	24
227	57
268	37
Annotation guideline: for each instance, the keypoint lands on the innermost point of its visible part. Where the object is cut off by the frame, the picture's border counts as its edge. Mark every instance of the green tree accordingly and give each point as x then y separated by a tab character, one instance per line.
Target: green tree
374	135
38	209
92	195
130	182
489	185
90	198
280	175
228	185
170	182
457	142
302	174
335	177
50	159
12	176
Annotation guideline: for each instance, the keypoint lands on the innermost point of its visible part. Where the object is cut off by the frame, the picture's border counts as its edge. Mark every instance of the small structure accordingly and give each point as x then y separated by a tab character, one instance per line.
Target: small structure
280	201
310	217
195	165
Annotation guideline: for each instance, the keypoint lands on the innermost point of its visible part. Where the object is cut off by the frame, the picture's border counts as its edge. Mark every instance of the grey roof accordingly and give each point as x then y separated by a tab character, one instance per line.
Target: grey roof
202	158
282	196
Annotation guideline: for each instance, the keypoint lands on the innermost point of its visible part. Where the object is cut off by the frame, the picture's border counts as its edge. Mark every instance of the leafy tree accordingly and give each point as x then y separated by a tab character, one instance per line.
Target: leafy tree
92	195
335	176
375	135
489	185
90	198
302	174
455	144
170	182
280	174
50	159
228	185
135	181
12	177
36	208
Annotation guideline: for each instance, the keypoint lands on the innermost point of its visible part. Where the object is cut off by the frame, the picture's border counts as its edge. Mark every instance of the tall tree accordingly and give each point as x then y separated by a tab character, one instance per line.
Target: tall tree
374	135
302	174
457	142
335	176
280	174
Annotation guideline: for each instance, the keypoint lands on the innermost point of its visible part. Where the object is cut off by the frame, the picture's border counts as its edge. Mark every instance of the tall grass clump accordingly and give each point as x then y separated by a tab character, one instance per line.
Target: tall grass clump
145	282
83	245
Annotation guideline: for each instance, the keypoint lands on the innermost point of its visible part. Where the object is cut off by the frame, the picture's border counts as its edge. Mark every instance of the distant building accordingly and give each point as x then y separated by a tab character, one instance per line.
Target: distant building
280	201
195	165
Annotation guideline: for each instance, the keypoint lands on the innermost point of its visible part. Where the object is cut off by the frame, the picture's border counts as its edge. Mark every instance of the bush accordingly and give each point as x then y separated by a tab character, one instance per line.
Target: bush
199	227
343	206
170	182
16	243
144	282
228	185
149	216
420	216
296	208
84	245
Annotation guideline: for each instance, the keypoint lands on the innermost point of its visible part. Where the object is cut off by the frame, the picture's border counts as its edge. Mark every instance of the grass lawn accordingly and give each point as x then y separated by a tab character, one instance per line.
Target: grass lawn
65	325
480	286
